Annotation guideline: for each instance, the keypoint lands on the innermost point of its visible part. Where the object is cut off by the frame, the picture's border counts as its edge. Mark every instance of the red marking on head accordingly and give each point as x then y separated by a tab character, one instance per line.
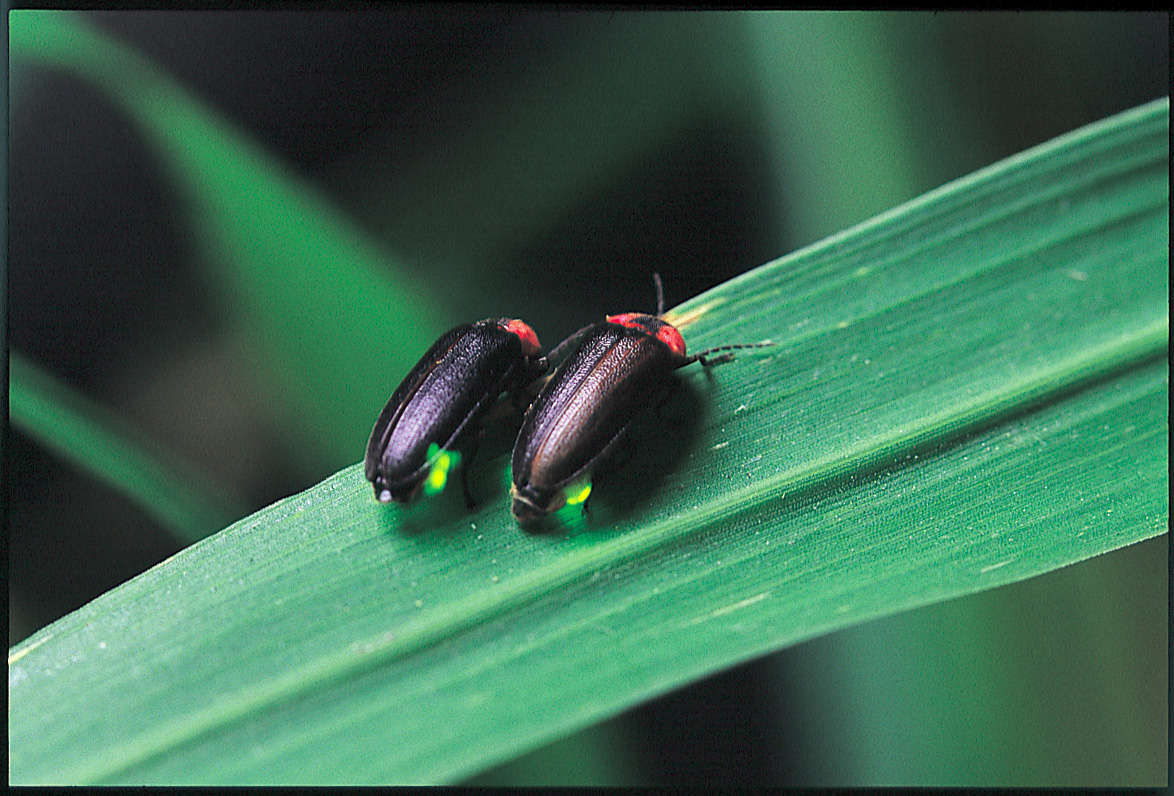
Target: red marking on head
669	335
650	324
630	319
530	344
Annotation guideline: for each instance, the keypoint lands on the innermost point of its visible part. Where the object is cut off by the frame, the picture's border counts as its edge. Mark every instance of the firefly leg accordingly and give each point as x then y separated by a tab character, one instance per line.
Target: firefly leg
472	446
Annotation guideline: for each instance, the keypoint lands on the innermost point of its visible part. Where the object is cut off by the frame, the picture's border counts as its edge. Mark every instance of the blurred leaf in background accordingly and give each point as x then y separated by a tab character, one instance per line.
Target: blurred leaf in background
207	232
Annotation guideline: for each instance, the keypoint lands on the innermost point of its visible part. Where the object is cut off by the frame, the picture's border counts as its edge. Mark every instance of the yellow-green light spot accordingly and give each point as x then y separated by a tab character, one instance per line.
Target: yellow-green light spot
442	462
578	492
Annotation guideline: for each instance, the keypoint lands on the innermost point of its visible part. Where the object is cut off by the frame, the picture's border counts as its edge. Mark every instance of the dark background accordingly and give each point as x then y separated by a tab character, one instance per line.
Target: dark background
548	162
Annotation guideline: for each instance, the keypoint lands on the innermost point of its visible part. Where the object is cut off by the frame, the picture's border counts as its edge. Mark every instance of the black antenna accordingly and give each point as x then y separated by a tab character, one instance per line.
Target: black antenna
703	356
659	294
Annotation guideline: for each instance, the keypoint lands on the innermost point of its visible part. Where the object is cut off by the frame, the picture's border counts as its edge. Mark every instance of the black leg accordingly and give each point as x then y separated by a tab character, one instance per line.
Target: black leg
471	451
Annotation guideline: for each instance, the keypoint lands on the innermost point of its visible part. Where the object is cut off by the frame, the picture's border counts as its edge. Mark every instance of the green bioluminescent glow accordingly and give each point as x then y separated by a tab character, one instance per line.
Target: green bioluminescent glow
578	492
442	462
